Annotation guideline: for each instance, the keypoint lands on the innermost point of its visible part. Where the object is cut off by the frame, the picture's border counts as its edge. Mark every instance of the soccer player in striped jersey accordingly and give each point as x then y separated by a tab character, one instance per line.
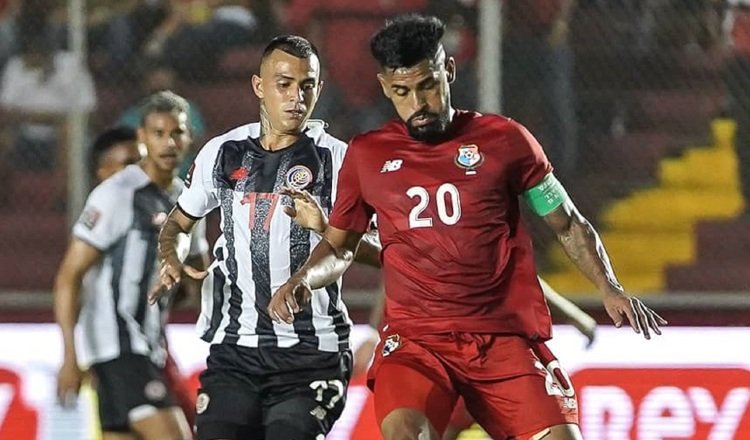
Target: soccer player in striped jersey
114	247
266	380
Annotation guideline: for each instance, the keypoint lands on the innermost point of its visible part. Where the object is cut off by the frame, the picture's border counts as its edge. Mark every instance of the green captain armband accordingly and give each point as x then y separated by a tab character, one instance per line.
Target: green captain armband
546	195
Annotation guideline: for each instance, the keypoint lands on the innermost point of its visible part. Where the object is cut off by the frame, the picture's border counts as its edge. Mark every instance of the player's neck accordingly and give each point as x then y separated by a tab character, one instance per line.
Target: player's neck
274	141
161	178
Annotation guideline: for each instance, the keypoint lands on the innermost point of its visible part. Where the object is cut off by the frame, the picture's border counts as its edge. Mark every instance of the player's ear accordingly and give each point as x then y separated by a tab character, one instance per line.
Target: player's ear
450	68
257	86
384	84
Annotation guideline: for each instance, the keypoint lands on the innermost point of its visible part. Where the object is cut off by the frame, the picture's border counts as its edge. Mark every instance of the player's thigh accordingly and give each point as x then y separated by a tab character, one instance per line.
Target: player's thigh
522	405
568	431
306	405
118	436
129	388
228	407
410	401
163	424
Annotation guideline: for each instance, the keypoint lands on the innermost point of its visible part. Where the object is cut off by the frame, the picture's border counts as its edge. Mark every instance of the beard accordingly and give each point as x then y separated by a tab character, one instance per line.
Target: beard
431	132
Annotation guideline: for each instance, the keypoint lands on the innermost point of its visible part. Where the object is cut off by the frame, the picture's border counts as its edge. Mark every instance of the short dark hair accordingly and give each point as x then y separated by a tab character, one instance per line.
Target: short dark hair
165	101
293	45
105	141
407	40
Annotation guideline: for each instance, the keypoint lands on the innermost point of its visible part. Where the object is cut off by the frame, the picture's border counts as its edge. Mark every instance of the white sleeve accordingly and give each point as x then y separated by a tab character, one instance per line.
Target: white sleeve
198	242
106	217
338	151
200	195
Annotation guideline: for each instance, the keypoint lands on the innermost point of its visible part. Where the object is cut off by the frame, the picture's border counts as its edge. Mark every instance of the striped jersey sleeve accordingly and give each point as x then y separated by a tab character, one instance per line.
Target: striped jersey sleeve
105	217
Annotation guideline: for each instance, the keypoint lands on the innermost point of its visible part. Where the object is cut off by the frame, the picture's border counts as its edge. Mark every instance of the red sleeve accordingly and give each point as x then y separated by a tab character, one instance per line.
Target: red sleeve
350	212
530	163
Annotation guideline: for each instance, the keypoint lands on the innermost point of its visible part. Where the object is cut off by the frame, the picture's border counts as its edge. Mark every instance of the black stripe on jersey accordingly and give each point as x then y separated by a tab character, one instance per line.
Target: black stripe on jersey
326	200
230	161
118	260
267	177
147	202
218	303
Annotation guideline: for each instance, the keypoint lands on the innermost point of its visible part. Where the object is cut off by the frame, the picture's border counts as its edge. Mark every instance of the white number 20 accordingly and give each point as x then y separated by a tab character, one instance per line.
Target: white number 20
444	191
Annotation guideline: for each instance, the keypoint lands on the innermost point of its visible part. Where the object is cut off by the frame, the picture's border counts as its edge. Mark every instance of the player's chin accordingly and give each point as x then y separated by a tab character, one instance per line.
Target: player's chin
427	133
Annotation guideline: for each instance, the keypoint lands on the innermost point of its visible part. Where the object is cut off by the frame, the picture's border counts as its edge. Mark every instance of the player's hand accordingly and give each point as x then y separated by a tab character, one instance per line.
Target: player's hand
363	355
289	300
170	275
306	211
642	319
69	379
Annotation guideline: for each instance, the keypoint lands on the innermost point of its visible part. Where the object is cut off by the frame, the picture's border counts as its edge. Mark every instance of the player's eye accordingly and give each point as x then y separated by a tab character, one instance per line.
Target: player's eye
284	84
401	92
308	86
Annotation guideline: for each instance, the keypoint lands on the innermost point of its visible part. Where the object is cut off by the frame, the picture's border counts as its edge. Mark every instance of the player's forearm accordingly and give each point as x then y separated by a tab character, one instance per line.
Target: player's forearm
66	297
176	223
326	265
368	251
376	314
583	246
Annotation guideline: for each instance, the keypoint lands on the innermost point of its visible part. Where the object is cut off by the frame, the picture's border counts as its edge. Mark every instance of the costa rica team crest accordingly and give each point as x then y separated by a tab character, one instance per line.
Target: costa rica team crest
469	158
298	177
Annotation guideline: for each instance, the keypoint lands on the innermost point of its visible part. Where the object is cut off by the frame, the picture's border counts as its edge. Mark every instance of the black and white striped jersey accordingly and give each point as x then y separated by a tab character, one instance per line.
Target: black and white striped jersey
122	218
260	246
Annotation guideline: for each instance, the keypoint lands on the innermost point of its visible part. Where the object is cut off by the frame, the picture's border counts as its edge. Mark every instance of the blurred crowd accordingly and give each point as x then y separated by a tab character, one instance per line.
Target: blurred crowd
201	47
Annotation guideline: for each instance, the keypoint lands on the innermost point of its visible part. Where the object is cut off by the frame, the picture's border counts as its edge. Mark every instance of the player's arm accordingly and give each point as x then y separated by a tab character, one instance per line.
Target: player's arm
564	310
172	268
327	263
583	246
308	213
79	258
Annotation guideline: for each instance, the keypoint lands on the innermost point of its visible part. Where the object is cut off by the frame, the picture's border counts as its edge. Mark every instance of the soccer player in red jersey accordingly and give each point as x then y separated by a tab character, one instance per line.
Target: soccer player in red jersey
464	307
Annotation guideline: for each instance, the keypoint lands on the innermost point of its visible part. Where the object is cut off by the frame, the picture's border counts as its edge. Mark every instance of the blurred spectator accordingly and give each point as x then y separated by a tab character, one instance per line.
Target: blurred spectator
342	29
538	76
8	11
737	79
231	24
155	78
39	87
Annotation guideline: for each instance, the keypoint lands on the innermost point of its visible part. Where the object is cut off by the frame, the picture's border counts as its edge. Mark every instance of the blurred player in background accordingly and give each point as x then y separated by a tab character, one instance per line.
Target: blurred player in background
114	246
465	314
265	380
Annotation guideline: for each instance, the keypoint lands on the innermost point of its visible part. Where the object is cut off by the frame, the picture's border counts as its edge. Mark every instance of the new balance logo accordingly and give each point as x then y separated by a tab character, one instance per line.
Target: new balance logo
391	165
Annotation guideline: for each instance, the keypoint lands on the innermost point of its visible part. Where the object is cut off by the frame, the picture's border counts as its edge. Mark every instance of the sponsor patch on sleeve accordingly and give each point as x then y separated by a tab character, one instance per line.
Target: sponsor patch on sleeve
89	217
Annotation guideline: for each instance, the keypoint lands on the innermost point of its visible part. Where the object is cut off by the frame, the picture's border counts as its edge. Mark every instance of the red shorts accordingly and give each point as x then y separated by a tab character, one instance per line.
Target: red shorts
505	386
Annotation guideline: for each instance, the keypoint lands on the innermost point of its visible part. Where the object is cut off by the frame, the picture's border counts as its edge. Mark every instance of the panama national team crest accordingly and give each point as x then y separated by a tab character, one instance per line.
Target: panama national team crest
469	158
298	177
391	344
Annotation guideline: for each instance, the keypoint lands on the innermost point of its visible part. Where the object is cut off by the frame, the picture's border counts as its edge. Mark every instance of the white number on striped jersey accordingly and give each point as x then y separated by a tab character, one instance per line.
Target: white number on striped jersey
321	385
444	192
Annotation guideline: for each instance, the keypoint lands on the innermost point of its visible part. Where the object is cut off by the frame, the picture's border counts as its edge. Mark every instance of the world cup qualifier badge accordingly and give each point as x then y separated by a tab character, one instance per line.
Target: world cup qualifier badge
469	158
298	177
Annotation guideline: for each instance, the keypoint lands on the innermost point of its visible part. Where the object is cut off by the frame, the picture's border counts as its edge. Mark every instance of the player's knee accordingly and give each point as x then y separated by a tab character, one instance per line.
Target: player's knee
293	430
407	424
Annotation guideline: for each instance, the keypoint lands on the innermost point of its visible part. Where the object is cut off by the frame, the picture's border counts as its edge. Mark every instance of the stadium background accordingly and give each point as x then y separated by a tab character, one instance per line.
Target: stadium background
653	161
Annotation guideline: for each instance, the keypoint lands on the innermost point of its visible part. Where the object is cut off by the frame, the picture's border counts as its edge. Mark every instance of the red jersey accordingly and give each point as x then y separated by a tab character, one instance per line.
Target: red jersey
456	256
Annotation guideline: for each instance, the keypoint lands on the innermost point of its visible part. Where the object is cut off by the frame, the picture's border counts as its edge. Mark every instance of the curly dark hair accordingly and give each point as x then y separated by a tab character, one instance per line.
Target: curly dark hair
407	40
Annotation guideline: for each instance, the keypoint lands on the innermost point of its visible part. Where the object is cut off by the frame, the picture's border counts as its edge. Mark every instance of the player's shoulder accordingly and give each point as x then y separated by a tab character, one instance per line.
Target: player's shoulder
316	130
122	185
492	121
